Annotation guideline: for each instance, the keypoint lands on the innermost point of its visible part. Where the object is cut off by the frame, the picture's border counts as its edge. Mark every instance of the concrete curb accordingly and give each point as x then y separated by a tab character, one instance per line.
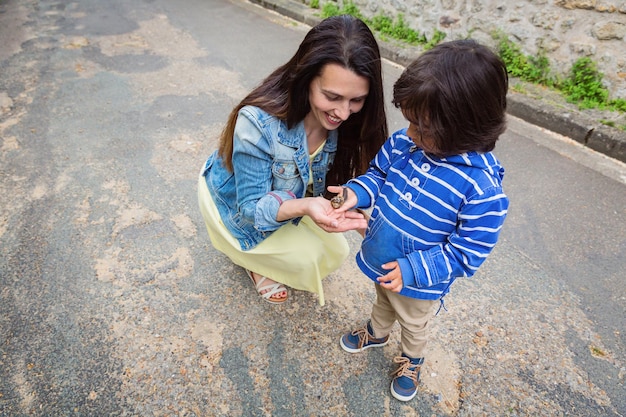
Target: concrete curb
573	124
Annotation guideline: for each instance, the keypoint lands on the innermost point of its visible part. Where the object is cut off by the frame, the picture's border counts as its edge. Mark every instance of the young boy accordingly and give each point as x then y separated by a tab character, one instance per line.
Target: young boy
436	192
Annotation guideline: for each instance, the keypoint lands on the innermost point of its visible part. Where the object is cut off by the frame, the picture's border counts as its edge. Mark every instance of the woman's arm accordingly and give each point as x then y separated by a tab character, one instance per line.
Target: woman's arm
322	213
258	202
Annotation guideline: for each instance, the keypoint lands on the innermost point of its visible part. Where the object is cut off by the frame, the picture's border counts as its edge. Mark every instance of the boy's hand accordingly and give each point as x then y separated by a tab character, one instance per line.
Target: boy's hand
393	280
348	196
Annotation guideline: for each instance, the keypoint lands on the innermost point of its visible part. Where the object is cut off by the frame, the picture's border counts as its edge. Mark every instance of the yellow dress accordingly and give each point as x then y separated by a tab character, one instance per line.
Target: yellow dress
297	256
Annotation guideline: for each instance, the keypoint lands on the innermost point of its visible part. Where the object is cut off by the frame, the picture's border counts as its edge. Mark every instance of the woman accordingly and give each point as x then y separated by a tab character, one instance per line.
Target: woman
316	120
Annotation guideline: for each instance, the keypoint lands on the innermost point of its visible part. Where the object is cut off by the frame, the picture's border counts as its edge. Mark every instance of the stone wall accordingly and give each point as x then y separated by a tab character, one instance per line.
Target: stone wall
564	30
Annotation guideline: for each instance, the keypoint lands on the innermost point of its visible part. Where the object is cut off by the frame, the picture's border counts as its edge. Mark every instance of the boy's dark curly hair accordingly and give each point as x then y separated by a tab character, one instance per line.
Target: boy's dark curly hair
456	94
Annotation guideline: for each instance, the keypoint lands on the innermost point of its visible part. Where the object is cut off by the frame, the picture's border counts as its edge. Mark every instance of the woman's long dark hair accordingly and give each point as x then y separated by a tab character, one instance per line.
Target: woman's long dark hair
343	40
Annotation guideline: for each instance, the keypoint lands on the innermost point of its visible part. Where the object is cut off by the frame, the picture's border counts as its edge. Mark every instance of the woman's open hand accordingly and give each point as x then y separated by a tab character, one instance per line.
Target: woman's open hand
334	220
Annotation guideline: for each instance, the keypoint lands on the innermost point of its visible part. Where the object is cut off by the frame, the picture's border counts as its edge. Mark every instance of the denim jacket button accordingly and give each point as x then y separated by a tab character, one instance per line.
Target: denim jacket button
281	170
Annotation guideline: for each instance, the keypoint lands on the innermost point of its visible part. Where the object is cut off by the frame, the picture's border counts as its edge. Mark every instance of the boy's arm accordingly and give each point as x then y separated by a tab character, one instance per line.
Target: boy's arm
367	186
477	231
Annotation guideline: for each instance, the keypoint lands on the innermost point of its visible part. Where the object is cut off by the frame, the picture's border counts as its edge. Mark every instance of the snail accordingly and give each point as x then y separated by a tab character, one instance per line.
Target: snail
338	200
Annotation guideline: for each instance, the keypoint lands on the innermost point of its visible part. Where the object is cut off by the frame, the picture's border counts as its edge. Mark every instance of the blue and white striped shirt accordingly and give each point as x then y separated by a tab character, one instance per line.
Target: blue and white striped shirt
438	217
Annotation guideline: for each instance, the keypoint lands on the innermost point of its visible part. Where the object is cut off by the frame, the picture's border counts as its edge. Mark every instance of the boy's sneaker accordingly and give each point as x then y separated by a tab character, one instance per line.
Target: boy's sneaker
407	376
361	339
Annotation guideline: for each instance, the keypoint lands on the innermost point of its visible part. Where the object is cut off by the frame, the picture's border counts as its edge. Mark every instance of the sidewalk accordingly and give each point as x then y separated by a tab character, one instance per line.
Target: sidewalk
536	105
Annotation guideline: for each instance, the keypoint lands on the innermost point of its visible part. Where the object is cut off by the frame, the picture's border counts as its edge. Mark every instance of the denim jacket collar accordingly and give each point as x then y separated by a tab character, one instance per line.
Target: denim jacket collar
296	137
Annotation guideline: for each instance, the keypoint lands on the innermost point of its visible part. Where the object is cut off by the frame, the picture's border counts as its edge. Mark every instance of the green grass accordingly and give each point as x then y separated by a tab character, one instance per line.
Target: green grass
527	68
386	26
582	85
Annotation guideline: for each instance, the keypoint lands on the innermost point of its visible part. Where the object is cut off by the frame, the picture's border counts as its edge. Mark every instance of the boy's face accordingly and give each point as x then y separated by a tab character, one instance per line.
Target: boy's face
421	138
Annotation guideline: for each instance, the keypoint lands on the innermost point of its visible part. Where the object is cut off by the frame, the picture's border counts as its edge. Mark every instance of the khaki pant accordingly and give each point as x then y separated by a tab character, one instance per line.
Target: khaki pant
412	314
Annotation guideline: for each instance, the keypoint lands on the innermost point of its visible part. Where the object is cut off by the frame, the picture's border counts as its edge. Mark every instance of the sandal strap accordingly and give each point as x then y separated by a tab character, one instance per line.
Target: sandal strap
272	289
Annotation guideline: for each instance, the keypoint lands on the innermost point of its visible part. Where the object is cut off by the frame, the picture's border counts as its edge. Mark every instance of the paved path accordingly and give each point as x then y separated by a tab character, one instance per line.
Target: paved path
113	302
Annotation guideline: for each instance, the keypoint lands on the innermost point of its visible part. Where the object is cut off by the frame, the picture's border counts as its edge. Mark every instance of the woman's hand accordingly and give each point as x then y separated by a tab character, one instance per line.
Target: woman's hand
393	280
334	220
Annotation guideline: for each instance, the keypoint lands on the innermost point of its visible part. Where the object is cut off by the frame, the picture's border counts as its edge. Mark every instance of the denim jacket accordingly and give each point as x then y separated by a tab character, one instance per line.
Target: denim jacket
270	165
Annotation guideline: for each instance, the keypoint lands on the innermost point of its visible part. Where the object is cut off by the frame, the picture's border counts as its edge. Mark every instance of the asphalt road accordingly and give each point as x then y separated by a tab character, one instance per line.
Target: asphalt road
113	302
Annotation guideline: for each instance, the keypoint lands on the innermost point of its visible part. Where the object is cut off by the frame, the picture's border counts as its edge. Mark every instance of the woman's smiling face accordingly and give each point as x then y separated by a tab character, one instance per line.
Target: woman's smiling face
335	94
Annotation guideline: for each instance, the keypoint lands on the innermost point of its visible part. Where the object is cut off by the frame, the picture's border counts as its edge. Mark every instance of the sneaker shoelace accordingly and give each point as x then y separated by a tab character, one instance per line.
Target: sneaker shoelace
405	368
364	336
